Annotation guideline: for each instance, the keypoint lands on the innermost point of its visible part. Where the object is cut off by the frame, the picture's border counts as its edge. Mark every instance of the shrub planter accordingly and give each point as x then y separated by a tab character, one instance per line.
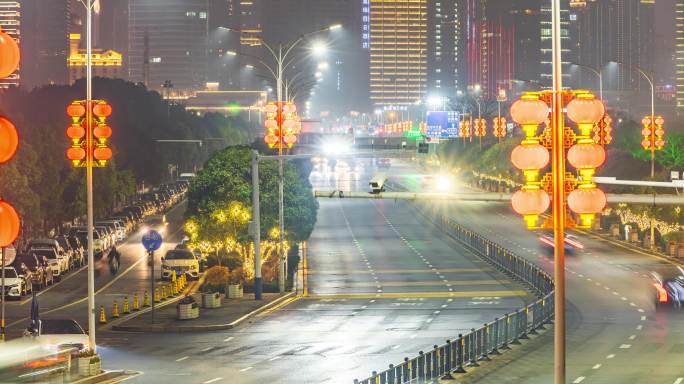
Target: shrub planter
83	364
235	291
211	300
95	366
187	308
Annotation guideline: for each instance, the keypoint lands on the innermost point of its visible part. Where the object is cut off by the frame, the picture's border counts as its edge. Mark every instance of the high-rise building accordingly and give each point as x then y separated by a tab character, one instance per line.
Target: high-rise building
569	31
679	54
398	51
445	51
168	42
10	23
44	42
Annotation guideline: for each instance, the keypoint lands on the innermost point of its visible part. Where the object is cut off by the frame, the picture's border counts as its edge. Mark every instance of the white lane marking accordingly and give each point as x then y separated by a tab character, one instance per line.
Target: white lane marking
413	336
429	320
679	380
396	346
643	318
632	304
641	310
245	369
623	298
228	339
597	366
213	380
625	346
578	380
206	349
632	337
615	293
610	356
183	358
372	301
639	327
436	312
274	358
444	305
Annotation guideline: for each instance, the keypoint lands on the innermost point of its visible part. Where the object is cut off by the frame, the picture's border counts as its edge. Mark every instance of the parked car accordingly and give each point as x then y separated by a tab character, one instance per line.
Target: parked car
62	254
58	265
35	266
16	284
180	261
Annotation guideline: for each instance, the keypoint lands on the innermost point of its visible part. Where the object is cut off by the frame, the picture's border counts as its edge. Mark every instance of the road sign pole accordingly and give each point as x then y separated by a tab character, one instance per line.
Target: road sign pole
150	254
2	321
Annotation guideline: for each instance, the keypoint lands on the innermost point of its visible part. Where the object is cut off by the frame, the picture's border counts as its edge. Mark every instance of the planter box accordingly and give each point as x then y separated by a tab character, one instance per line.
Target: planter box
86	368
83	364
235	291
615	230
187	311
211	300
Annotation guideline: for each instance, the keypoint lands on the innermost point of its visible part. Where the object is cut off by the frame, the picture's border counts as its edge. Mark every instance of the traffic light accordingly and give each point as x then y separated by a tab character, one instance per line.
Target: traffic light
86	145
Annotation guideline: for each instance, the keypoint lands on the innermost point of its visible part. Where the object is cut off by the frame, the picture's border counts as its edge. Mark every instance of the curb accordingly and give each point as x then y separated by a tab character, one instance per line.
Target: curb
203	328
192	288
108	377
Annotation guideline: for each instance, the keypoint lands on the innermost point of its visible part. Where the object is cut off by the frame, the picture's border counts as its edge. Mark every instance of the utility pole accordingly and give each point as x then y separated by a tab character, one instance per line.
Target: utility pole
89	174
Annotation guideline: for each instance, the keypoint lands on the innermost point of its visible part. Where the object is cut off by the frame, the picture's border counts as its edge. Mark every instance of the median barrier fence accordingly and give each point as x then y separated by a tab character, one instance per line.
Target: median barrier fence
465	351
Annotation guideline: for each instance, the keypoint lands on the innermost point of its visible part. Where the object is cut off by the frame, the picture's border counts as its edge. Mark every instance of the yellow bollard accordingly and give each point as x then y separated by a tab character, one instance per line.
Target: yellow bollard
103	317
174	287
126	308
115	310
136	302
146	299
163	292
156	295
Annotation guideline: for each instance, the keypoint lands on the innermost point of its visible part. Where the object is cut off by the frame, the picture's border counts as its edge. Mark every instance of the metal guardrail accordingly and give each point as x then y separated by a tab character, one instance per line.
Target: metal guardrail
468	350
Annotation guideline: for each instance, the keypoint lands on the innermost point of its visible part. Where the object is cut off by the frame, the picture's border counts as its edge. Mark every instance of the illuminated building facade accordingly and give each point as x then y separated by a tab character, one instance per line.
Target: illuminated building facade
105	63
445	47
10	23
398	51
679	55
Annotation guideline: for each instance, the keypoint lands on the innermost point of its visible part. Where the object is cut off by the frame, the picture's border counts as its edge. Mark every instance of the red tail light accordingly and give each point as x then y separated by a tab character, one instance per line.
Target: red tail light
662	293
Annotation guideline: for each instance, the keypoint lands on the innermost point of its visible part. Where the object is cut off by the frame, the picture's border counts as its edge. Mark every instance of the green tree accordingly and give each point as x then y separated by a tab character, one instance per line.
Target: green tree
227	177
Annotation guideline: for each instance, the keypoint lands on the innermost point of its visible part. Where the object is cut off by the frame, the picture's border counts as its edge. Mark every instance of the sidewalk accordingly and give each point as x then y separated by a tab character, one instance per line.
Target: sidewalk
231	313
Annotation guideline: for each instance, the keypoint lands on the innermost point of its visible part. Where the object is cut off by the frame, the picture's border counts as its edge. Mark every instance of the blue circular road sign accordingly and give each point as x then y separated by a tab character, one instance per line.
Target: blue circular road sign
152	240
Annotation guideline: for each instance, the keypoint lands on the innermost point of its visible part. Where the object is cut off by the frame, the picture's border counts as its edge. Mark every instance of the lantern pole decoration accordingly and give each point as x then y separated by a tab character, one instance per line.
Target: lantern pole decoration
10	222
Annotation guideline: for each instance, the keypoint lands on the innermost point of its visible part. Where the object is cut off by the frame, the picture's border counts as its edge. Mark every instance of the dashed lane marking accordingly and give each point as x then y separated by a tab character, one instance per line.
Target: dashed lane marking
597	366
625	346
213	380
412	295
228	339
183	358
579	380
246	369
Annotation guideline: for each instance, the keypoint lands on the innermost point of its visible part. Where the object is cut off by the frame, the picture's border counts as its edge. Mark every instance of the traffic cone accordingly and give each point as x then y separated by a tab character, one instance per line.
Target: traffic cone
136	302
146	299
115	310
103	317
156	295
126	308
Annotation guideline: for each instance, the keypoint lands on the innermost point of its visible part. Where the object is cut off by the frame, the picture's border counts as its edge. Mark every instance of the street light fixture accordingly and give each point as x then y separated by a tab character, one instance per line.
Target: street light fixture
597	72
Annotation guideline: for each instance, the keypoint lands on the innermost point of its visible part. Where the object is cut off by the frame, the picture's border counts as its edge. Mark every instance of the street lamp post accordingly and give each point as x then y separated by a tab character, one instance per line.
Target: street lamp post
597	72
281	54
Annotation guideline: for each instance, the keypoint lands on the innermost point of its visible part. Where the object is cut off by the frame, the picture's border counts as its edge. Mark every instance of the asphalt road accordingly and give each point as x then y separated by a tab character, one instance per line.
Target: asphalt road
383	284
67	298
614	334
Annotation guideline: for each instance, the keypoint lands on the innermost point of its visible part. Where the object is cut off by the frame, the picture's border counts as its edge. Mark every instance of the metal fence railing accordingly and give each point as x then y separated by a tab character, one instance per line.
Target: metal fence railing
468	350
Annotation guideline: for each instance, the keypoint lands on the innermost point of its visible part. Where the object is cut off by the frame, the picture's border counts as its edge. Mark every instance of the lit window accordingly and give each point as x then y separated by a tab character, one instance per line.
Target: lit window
155	60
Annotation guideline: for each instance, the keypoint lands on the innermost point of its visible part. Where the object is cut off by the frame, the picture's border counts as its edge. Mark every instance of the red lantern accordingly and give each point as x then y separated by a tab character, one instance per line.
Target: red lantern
530	157
76	154
271	140
75	131
586	156
102	131
587	200
76	110
586	109
9	140
271	108
530	201
271	124
9	224
529	110
9	55
290	139
102	153
102	109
